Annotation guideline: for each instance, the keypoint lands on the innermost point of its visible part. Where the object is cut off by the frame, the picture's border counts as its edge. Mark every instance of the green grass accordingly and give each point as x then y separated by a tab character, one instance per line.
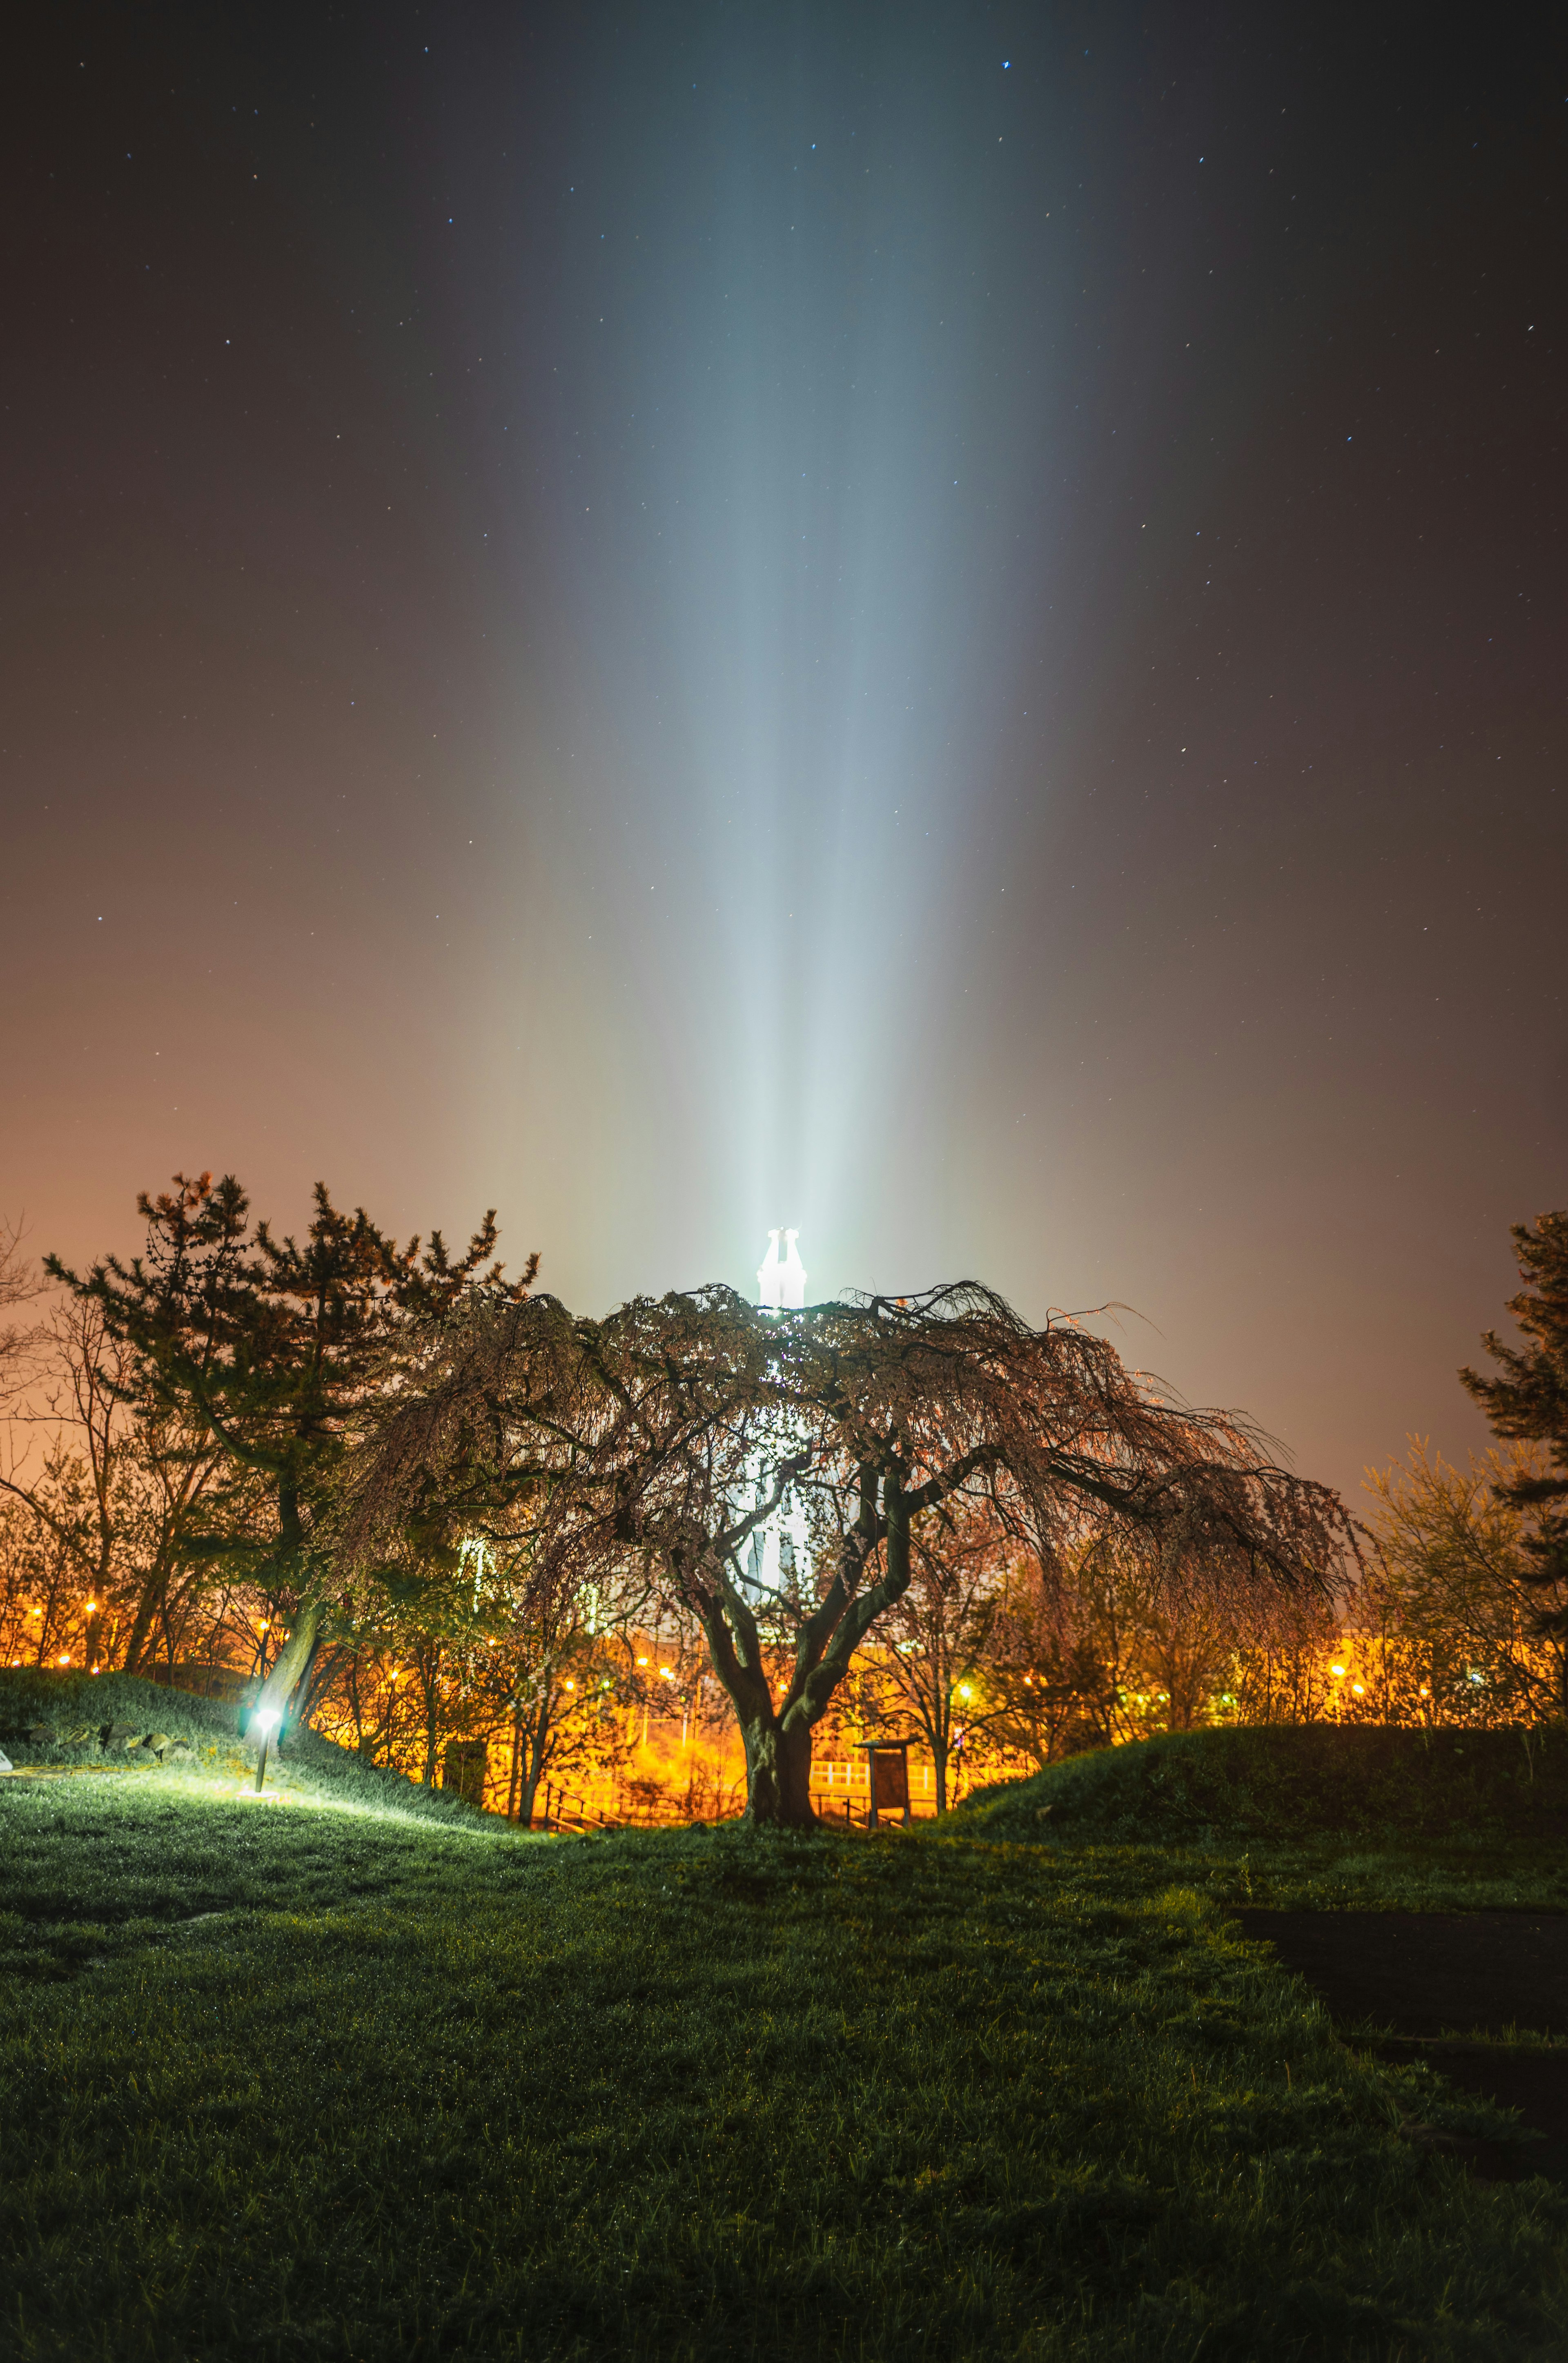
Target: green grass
216	1761
1298	1781
1314	1817
415	2089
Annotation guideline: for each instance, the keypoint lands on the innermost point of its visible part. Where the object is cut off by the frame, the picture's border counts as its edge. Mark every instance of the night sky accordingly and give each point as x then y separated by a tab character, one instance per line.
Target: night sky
942	624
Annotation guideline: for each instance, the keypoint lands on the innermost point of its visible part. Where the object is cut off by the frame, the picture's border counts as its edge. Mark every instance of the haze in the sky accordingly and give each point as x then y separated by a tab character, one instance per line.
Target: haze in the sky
940	626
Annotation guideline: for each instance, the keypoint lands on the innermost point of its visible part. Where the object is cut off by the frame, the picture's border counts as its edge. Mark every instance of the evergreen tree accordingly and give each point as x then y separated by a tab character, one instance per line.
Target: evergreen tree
269	1346
1528	1403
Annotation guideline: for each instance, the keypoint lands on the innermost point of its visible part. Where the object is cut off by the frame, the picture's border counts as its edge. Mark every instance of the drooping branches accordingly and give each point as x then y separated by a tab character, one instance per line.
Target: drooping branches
671	1434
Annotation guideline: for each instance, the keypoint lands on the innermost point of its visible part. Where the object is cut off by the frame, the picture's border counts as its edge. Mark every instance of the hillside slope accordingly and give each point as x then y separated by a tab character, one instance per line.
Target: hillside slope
1306	1781
65	1719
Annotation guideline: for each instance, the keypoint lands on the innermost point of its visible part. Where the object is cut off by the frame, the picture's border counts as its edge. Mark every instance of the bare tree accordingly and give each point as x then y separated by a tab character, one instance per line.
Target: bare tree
1047	1688
1125	1636
675	1431
938	1636
1465	1627
572	1681
117	1483
20	1285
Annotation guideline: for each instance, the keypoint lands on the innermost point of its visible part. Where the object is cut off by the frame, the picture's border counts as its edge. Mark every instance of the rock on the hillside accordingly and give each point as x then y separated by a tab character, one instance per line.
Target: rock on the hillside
158	1742
79	1735
40	1735
114	1734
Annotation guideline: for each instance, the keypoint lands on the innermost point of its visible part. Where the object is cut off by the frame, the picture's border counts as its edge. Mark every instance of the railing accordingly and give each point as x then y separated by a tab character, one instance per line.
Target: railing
842	1786
566	1809
839	1792
835	1774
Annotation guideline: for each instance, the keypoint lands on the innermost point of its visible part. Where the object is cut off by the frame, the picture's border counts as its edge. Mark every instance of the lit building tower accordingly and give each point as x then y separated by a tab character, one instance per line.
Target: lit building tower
780	1549
781	1280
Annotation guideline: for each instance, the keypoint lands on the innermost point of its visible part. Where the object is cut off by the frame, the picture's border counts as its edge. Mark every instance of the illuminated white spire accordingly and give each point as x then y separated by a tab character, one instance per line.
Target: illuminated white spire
781	1280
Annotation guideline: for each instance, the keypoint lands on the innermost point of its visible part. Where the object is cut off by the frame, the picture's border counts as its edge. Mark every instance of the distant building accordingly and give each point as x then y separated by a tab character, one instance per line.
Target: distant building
781	1280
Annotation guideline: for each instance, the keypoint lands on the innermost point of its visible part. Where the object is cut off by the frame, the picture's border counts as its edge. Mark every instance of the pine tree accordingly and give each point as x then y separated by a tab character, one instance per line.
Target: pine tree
1529	1402
269	1346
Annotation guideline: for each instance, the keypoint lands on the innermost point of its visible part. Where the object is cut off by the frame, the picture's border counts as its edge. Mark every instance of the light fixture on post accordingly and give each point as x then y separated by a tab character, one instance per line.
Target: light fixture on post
264	1720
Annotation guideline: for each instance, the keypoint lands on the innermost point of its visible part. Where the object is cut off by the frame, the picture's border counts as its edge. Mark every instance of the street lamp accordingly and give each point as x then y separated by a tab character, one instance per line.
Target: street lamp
265	1720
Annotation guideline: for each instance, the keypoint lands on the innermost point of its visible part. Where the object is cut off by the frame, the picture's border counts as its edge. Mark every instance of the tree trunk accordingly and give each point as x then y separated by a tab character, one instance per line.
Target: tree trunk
778	1773
143	1622
313	1681
535	1755
516	1768
293	1663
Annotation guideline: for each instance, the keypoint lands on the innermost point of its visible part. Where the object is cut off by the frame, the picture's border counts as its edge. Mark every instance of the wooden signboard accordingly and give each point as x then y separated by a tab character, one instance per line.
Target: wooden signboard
887	1767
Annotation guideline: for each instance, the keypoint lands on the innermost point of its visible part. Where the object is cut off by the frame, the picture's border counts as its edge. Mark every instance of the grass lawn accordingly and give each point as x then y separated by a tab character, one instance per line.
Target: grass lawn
365	2076
1314	1818
310	2079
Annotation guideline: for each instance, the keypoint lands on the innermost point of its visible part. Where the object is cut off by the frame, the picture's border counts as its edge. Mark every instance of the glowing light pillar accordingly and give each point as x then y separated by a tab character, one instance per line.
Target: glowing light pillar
781	1280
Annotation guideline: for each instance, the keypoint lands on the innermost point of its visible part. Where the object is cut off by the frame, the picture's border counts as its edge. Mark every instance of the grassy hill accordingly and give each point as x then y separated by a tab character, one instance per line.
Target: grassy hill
1295	1784
286	2086
66	1720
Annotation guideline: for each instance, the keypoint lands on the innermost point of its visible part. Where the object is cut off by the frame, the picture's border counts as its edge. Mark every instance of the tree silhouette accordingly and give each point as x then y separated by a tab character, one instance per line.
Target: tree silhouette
669	1434
267	1347
1528	1403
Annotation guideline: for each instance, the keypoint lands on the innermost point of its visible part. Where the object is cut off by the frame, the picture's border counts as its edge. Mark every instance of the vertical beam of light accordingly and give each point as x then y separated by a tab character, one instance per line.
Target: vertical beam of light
788	471
696	617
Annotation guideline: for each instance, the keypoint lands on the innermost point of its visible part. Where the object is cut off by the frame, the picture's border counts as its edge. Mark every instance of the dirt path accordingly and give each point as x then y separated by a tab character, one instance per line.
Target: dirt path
1434	1978
1430	1972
